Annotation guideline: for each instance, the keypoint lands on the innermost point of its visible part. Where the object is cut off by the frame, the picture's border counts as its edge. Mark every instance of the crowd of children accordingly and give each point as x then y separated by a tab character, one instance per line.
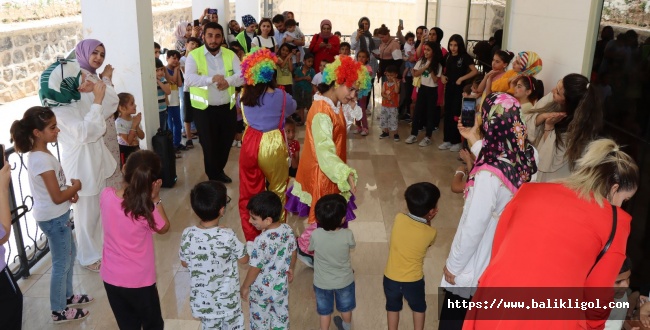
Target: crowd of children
212	252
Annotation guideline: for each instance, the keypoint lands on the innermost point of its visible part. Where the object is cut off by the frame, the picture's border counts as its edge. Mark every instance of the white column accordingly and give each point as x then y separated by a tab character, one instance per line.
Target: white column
453	18
222	6
566	37
126	29
247	7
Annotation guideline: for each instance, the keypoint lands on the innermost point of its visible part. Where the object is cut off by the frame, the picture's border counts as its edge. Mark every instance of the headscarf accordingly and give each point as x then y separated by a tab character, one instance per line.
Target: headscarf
530	62
506	151
258	66
181	29
83	51
325	35
60	84
346	71
366	34
248	20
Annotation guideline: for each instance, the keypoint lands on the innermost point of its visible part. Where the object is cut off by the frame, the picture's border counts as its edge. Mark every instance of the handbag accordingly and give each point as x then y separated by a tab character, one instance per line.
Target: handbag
609	241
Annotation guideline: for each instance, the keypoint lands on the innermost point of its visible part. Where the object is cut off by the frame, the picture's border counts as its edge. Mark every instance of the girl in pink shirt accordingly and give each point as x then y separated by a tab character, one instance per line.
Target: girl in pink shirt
130	216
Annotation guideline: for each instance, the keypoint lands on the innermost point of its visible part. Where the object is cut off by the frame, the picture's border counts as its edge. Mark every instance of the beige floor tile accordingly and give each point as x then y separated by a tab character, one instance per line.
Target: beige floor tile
385	169
368	231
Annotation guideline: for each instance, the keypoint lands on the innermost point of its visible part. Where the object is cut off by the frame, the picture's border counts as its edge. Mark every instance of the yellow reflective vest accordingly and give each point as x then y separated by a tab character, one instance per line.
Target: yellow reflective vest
199	95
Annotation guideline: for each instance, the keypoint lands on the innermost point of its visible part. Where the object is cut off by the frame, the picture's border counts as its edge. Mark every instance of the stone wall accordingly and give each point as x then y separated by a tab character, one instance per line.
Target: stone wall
25	52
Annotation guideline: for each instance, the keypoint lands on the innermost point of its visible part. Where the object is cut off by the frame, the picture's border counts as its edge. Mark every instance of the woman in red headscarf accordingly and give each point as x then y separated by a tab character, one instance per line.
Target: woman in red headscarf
324	45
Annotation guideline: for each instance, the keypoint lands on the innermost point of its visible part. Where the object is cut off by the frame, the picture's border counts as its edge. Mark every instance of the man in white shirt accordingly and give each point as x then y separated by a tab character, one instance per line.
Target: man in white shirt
212	73
280	30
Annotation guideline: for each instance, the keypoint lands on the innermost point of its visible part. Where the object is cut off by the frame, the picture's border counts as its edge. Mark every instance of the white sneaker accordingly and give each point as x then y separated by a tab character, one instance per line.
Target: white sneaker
456	147
425	142
411	139
354	130
238	144
444	146
234	143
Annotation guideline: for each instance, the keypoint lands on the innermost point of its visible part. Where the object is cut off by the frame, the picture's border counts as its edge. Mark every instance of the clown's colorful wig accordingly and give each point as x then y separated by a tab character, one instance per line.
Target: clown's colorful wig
258	66
346	71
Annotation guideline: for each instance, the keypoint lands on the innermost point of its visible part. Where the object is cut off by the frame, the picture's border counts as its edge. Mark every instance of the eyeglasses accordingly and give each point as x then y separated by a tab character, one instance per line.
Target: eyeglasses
228	199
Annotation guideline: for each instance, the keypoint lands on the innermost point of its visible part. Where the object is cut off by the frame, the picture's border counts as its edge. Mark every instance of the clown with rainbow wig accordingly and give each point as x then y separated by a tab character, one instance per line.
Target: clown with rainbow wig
323	169
264	156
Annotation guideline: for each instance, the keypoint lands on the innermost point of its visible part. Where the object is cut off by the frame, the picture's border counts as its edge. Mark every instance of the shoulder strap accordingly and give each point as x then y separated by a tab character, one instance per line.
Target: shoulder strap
273	41
609	241
284	104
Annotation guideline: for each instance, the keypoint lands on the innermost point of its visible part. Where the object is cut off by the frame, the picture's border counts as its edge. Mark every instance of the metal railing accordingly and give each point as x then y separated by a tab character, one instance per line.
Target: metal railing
28	243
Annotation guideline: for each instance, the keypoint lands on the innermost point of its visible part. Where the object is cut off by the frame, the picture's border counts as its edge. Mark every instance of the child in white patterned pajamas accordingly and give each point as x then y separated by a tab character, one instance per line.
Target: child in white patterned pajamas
272	261
211	254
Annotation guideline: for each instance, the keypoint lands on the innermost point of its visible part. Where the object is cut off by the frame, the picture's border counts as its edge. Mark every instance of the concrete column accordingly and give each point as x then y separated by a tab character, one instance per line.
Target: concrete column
567	36
223	7
247	7
453	18
126	29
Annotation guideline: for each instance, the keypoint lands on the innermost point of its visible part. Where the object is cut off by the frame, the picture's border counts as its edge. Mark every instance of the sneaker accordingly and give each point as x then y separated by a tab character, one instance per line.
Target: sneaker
94	267
189	144
238	144
444	146
456	147
307	260
78	299
425	142
69	314
396	137
338	322
384	135
364	132
354	130
234	143
411	139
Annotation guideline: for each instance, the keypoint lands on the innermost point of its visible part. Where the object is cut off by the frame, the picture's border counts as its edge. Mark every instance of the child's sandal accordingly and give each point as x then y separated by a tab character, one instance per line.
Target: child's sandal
79	299
69	314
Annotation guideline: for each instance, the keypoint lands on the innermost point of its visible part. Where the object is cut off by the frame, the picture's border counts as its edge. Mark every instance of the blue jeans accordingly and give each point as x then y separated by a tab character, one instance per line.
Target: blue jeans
162	115
345	300
59	235
174	123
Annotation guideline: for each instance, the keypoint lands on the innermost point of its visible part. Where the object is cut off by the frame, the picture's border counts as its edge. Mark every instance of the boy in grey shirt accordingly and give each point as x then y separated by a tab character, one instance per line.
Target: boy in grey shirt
333	275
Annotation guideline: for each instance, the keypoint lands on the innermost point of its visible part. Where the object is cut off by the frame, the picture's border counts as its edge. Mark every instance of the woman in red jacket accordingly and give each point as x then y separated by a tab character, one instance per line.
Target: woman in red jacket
560	243
324	45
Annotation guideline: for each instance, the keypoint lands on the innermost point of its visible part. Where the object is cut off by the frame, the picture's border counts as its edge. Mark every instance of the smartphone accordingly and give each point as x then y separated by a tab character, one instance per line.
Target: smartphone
361	26
468	112
326	40
196	22
2	153
401	22
212	11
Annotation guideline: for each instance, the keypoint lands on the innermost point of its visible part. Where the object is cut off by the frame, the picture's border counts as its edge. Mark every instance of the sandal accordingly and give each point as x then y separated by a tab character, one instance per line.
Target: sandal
79	299
94	267
69	314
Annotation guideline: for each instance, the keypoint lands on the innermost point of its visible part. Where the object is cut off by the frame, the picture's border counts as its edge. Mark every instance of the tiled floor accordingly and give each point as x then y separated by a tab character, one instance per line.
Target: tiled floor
385	169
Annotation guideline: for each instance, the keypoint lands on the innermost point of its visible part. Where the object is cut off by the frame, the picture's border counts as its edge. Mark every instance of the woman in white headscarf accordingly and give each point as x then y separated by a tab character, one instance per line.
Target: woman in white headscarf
183	31
82	100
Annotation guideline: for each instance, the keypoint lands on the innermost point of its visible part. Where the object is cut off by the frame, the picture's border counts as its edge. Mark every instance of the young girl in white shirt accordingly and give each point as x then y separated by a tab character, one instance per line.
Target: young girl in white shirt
51	209
265	38
127	124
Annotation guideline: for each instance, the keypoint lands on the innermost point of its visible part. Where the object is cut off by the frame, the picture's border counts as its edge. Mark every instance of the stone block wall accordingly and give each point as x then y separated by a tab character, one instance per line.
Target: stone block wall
26	52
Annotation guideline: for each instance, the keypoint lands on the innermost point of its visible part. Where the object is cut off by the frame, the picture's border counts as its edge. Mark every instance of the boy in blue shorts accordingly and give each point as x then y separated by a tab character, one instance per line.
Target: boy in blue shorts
333	276
411	237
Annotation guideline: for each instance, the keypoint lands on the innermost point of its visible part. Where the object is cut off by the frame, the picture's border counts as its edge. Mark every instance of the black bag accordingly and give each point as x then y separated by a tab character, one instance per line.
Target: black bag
164	147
